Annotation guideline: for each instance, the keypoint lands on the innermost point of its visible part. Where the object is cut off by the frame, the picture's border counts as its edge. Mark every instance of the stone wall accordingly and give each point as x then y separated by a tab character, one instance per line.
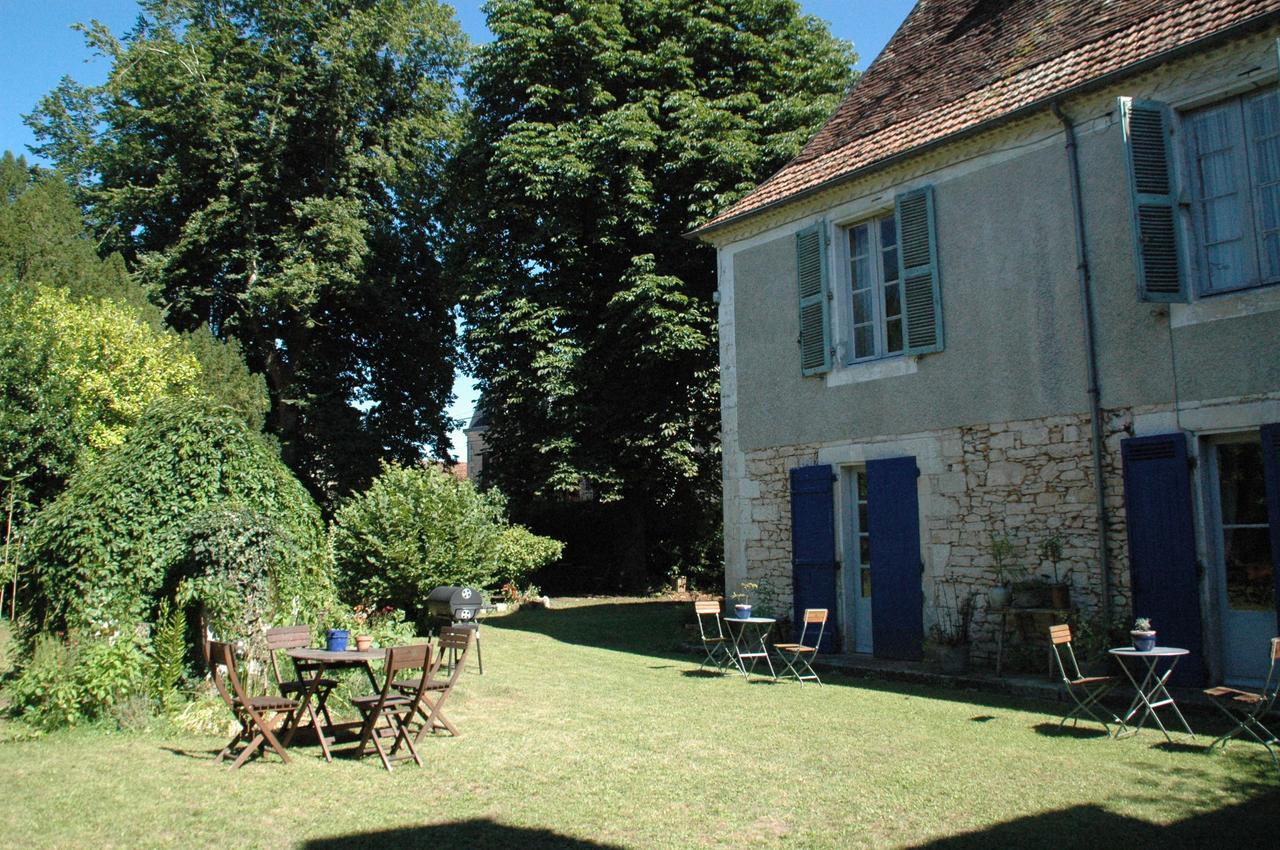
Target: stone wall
1026	479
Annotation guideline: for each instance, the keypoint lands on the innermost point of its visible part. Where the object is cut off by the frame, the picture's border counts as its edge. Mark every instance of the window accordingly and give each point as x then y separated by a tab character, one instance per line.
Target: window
891	298
1233	151
875	290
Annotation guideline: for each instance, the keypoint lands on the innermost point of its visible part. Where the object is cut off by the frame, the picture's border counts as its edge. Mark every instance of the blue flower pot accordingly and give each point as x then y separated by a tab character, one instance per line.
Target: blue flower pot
1143	643
336	639
742	612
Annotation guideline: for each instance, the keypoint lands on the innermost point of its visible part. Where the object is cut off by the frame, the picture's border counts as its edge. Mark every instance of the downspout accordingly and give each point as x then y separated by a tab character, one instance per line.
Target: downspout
1091	358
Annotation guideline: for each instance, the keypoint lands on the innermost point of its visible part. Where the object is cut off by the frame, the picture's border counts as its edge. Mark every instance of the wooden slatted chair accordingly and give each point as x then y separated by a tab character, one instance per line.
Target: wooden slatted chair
1246	708
455	643
718	647
801	654
393	706
259	717
284	638
1085	691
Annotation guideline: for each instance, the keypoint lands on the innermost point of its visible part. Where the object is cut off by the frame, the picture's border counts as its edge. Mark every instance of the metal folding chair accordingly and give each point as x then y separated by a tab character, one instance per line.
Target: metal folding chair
715	644
1246	709
251	713
1086	691
800	655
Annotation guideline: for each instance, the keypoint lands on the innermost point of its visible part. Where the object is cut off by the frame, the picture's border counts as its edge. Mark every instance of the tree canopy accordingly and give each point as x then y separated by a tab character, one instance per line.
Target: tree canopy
271	168
602	132
82	352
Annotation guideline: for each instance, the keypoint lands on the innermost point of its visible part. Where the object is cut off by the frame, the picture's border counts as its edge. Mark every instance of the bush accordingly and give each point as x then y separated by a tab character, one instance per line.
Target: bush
81	680
417	528
121	534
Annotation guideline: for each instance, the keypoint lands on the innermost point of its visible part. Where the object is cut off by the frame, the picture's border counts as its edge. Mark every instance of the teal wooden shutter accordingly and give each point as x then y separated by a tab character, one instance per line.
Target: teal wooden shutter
815	300
918	270
1145	128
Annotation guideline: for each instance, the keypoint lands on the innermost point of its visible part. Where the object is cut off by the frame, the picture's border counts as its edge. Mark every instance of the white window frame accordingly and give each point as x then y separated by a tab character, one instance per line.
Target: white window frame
844	254
1244	164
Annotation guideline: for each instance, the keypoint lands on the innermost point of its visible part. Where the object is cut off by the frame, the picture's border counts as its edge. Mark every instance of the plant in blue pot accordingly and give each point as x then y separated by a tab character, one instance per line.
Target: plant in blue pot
1144	637
742	599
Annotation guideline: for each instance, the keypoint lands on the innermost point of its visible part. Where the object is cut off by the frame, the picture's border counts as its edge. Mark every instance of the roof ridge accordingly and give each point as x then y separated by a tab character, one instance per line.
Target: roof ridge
1135	33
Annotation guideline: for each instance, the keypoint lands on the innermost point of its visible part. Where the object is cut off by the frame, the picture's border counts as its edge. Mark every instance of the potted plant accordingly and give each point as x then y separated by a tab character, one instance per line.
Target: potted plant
1050	550
359	616
1144	637
1002	552
742	599
949	635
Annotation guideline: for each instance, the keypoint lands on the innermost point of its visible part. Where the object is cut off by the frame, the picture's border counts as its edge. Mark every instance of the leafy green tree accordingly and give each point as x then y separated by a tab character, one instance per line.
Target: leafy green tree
417	528
82	352
271	167
119	537
602	132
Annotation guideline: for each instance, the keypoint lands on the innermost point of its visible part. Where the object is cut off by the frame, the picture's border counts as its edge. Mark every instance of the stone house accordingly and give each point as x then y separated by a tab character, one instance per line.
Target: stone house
1023	282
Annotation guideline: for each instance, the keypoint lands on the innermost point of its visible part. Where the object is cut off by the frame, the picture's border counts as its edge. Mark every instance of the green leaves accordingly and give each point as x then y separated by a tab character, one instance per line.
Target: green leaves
272	168
602	133
121	534
417	528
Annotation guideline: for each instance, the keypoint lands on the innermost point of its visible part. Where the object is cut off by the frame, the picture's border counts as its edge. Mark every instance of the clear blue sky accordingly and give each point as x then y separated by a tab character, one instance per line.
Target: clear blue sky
38	48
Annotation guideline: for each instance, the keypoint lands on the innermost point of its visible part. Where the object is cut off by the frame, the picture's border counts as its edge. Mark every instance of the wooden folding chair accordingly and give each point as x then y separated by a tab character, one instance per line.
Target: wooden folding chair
1246	708
1086	691
718	647
394	706
455	642
250	712
294	637
802	652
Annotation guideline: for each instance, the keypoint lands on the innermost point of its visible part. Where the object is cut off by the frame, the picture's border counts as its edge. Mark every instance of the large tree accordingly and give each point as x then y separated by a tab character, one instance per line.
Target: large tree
602	132
272	167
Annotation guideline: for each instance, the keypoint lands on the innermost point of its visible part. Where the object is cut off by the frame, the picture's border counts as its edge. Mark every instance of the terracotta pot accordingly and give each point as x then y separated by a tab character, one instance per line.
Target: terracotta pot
363	642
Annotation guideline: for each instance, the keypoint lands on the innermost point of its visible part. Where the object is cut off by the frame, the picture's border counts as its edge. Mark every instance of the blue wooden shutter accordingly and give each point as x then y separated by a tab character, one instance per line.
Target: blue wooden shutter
893	520
1271	471
918	271
1153	191
1162	546
813	548
815	300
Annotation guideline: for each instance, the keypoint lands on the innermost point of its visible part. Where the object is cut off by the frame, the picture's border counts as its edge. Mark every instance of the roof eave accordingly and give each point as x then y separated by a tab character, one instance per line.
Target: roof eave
1235	30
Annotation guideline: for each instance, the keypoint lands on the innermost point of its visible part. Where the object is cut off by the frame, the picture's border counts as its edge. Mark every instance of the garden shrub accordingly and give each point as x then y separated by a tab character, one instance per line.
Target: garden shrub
80	680
227	571
79	373
417	528
119	536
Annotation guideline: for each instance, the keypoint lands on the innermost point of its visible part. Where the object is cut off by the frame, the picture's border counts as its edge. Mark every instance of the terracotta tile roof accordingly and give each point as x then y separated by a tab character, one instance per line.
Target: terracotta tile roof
954	65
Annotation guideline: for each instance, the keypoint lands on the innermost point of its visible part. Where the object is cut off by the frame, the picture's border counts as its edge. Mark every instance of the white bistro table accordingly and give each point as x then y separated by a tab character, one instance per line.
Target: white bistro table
749	642
1151	692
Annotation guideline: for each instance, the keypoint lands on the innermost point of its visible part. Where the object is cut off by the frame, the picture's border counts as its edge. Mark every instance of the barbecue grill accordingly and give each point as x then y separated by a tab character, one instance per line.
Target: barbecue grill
457	606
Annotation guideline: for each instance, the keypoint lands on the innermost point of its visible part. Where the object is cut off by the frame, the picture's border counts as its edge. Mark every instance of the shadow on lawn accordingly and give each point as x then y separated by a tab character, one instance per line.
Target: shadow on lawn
1093	826
646	628
661	630
479	833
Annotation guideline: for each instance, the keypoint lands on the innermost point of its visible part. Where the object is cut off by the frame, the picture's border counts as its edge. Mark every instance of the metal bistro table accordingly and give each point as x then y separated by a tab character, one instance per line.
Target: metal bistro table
1152	693
316	662
749	635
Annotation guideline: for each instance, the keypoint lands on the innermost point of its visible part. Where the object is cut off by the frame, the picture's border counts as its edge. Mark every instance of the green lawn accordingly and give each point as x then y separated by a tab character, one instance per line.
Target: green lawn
589	729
